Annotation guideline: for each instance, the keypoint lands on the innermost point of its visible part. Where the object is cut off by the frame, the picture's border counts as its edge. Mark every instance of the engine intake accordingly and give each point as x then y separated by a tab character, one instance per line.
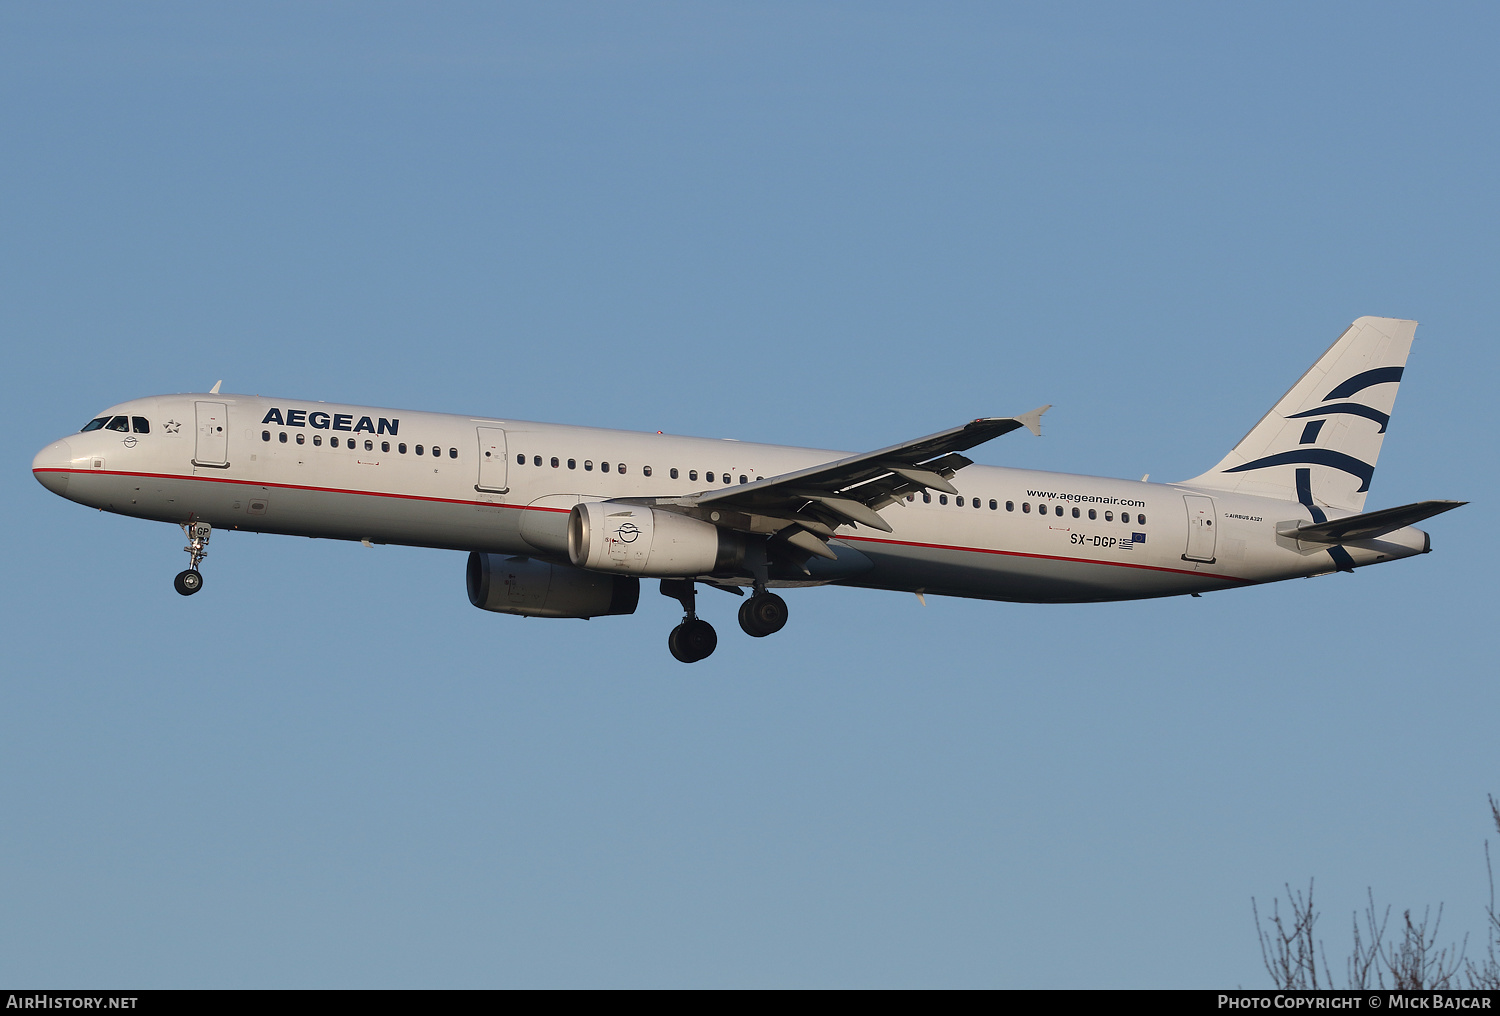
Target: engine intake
635	540
531	588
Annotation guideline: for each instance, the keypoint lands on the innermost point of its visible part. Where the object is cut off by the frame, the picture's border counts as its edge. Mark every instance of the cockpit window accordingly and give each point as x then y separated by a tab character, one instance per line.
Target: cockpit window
140	425
120	424
94	424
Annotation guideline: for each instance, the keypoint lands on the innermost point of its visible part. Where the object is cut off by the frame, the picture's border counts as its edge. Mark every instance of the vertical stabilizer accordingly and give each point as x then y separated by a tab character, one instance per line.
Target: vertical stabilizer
1319	444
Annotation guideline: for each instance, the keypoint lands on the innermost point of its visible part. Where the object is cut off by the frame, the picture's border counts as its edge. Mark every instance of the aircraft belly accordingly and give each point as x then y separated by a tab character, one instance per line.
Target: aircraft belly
291	511
1024	578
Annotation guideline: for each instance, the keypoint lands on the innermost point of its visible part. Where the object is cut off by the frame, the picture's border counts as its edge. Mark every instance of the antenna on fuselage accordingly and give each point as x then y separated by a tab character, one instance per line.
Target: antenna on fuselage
215	389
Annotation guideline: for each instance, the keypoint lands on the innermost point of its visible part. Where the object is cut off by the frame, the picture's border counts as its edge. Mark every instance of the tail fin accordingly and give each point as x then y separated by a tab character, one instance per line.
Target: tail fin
1318	445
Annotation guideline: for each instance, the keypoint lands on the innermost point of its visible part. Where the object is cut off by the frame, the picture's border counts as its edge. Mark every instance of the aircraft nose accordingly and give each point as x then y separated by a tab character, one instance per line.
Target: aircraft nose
51	465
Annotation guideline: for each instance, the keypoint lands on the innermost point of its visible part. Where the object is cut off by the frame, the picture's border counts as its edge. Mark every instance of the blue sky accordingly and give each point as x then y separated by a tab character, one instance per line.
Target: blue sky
827	224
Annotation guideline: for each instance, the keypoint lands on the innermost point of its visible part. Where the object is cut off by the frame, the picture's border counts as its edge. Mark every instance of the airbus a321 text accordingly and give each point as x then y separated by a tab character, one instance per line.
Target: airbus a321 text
562	521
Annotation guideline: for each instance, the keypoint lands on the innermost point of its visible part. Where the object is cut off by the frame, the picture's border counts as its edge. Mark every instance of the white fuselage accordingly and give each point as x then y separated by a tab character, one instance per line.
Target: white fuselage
1011	534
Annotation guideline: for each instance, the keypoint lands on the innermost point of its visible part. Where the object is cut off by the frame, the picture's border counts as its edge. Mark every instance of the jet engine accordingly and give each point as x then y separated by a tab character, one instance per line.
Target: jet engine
531	588
636	540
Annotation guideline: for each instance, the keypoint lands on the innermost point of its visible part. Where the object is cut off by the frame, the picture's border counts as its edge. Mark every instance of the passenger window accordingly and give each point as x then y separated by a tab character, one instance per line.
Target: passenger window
994	505
335	443
555	463
645	470
911	497
1109	516
926	497
708	477
520	460
1026	507
743	478
1140	520
1041	509
453	453
1093	515
672	472
536	460
1010	506
603	467
94	424
369	445
942	499
1075	513
120	424
281	437
318	440
302	439
588	465
140	425
1125	517
385	446
620	468
572	463
400	448
959	500
693	475
265	435
977	504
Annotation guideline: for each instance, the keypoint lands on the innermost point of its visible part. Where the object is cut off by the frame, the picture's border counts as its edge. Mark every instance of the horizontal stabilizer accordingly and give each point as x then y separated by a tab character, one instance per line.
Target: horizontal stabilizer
1373	524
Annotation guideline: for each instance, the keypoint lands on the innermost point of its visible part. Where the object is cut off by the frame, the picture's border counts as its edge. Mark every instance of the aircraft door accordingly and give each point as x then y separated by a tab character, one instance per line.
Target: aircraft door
492	466
212	448
1201	539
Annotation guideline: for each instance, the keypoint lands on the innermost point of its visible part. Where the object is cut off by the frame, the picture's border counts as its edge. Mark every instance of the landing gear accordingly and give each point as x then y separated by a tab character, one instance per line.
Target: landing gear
694	639
763	614
189	582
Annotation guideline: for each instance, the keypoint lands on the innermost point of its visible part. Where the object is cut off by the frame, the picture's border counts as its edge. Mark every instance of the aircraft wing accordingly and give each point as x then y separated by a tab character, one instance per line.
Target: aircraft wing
805	506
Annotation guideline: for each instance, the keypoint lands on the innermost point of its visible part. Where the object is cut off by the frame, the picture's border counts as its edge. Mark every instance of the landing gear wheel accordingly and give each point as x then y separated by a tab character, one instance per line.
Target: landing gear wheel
692	640
763	614
188	582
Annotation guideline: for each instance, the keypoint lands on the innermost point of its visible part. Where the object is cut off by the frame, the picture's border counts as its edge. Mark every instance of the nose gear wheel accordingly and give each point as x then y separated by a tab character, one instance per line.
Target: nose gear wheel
198	533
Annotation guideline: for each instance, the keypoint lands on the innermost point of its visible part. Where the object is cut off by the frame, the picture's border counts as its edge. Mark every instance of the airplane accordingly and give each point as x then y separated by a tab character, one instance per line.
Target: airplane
564	521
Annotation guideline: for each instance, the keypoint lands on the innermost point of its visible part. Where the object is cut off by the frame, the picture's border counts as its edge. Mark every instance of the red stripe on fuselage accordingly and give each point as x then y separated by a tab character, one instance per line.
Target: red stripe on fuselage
531	508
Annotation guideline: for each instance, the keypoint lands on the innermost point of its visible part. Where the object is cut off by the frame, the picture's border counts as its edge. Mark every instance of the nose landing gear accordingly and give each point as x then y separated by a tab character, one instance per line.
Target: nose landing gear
694	639
189	582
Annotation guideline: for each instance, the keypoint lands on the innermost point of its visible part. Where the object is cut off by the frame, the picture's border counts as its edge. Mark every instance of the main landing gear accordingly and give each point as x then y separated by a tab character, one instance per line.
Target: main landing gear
695	639
189	582
763	614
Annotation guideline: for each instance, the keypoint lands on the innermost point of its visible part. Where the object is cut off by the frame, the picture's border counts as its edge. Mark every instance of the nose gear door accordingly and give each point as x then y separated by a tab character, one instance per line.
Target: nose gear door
213	435
1201	539
492	467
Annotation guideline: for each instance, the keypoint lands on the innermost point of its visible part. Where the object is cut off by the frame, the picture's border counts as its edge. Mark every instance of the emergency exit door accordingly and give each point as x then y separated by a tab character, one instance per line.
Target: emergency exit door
212	448
492	461
1201	538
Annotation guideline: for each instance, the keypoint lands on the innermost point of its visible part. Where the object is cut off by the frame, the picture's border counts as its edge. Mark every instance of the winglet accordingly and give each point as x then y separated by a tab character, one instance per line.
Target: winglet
215	389
1032	421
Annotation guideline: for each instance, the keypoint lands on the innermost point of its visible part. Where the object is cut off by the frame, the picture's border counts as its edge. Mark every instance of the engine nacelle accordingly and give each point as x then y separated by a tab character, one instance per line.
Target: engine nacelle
636	540
531	588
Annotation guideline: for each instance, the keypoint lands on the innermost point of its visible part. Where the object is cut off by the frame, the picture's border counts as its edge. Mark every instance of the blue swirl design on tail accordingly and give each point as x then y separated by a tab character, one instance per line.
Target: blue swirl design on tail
1363	380
1327	456
1317	457
1341	559
1352	408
